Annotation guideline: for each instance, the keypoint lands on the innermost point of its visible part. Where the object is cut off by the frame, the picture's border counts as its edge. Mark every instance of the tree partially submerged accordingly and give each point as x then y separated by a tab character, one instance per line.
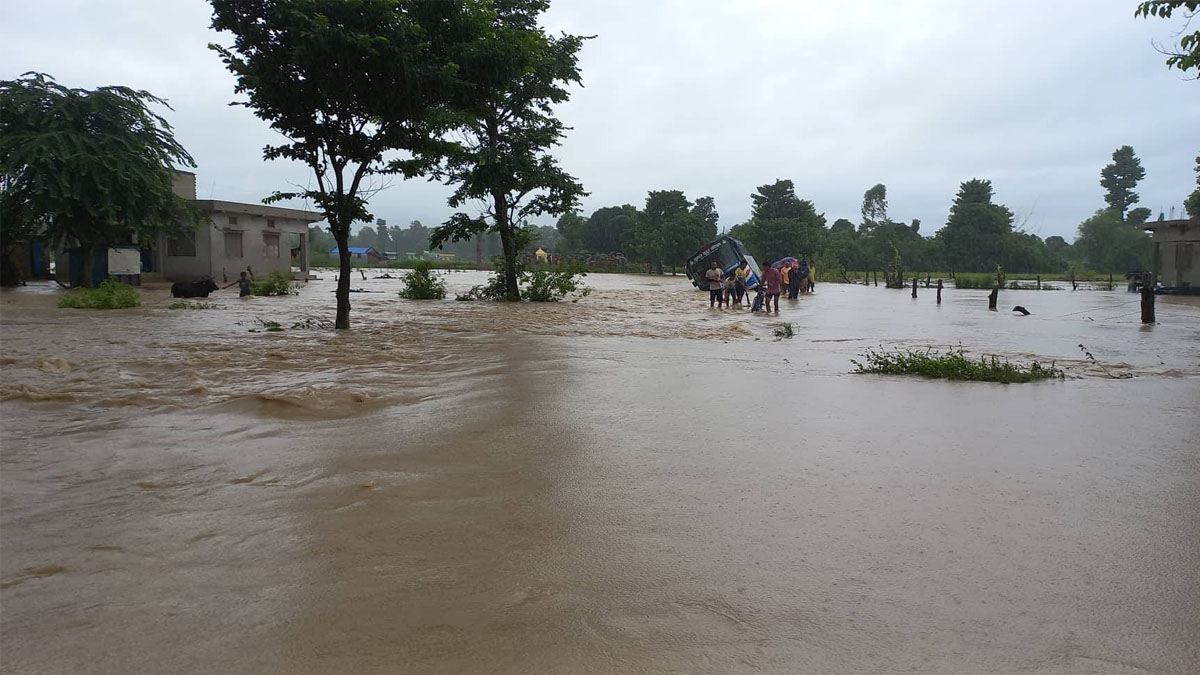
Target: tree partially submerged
515	75
86	168
348	84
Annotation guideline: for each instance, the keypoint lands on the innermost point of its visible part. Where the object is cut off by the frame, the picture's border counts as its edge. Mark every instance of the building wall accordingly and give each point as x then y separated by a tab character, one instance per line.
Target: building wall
255	253
1178	249
216	258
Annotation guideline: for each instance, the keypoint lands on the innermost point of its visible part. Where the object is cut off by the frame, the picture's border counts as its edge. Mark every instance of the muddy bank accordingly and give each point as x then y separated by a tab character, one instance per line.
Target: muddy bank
633	483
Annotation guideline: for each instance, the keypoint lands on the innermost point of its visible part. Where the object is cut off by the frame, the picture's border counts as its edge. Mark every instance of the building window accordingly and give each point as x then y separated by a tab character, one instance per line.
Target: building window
233	220
233	244
270	222
270	244
182	246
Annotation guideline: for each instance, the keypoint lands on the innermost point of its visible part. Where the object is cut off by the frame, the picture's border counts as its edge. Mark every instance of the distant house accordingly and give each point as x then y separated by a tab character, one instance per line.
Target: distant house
445	257
1177	253
361	254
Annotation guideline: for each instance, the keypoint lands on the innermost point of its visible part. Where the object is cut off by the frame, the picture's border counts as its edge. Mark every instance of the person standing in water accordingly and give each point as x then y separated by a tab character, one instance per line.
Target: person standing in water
812	277
740	290
794	277
715	279
774	283
801	273
243	283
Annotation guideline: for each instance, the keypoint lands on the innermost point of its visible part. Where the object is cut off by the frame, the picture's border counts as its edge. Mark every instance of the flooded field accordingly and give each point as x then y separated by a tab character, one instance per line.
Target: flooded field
633	483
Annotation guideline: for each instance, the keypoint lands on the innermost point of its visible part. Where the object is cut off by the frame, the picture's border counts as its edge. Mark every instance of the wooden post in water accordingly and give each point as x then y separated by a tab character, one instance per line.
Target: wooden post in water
914	287
1147	303
875	275
939	292
1110	281
1039	282
993	297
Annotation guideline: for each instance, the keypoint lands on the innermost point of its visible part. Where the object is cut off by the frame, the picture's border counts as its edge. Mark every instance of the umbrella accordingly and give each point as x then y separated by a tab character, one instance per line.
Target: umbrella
785	262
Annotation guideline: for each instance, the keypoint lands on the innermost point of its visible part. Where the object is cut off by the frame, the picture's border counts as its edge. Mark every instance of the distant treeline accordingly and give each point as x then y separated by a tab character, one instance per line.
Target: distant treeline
978	235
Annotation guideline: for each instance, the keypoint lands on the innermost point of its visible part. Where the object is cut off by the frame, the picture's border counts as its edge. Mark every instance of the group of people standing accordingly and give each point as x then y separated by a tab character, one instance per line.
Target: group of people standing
794	278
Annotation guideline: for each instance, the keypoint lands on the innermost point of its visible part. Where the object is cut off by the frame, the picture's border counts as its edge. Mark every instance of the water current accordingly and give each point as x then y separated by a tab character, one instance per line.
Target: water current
632	483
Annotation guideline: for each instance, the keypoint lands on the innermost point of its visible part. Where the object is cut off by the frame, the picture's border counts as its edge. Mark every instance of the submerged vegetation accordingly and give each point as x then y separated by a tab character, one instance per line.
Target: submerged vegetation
422	283
785	331
275	283
951	365
543	285
110	294
181	304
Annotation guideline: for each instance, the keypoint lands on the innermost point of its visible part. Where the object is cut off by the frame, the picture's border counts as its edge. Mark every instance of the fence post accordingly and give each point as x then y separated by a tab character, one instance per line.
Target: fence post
914	287
939	287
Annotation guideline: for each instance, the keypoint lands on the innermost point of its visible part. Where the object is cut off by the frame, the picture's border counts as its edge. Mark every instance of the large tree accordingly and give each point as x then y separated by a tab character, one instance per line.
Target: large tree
85	168
1108	244
1120	178
515	76
975	234
874	207
348	84
1186	56
781	224
668	230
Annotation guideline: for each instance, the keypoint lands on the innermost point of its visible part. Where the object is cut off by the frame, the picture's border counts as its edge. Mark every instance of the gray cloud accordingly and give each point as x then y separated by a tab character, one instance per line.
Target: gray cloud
717	98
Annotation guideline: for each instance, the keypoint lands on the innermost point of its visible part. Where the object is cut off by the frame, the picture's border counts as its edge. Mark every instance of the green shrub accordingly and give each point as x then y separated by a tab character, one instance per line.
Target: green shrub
422	283
110	294
553	286
952	365
275	283
785	331
544	285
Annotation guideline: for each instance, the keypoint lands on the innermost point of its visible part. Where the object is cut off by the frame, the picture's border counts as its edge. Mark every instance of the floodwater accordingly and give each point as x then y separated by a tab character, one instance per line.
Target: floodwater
628	484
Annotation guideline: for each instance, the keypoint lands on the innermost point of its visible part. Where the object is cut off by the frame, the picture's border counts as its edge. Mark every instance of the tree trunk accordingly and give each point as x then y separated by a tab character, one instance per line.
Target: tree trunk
88	267
993	298
511	290
342	236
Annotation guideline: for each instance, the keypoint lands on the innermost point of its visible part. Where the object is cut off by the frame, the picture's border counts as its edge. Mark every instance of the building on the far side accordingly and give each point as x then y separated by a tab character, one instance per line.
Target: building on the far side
1177	254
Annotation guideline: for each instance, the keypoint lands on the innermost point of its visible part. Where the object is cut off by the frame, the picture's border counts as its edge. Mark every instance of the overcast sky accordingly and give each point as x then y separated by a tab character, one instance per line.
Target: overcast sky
716	98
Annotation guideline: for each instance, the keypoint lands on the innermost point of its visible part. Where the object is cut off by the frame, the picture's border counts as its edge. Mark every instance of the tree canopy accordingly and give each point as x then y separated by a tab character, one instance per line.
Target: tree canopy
514	78
1120	178
347	83
1186	56
974	235
86	167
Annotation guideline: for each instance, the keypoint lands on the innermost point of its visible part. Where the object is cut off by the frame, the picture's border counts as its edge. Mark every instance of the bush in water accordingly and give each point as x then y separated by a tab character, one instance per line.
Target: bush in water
275	283
548	286
953	365
422	283
538	286
110	294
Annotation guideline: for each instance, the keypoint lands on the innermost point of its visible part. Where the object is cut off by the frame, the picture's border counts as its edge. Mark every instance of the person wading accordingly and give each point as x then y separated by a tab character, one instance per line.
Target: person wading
715	279
774	283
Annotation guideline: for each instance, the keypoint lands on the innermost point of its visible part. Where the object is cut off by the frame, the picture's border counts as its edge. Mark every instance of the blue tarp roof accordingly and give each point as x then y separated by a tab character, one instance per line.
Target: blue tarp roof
360	250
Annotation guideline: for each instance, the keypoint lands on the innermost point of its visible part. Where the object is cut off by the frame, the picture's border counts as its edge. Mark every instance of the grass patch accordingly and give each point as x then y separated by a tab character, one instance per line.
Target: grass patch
179	304
986	281
108	295
951	365
275	283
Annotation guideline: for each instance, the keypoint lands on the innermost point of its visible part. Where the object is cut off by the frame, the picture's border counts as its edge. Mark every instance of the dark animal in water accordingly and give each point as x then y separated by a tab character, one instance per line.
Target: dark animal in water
193	289
1021	309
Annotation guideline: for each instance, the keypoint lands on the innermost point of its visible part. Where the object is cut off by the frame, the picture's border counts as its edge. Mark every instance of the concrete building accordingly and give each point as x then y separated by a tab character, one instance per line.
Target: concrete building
235	237
1177	253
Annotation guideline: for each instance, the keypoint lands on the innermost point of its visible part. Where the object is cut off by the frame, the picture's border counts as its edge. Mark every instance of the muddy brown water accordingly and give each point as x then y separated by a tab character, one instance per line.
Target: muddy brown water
628	484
